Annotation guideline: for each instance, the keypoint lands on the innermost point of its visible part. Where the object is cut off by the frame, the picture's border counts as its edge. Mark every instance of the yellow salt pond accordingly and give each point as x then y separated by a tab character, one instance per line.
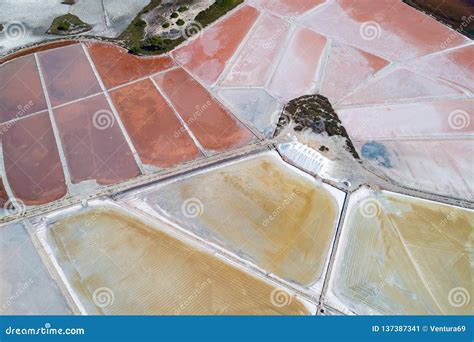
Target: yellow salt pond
402	255
116	264
263	210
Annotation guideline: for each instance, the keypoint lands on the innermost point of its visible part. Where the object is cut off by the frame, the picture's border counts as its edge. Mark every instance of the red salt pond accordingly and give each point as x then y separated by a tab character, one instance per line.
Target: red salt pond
68	74
296	74
156	132
456	66
20	89
399	84
255	59
428	119
116	66
32	163
385	27
346	68
287	7
214	127
93	143
207	55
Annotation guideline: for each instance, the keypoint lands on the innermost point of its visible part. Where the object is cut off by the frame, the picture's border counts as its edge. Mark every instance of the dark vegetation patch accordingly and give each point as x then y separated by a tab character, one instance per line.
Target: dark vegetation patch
1	27
68	24
134	36
314	112
458	14
155	45
68	2
216	10
136	30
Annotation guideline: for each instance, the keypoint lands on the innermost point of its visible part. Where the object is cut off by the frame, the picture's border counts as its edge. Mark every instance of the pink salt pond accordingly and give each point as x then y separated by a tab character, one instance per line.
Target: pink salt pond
32	164
288	8
398	85
93	143
155	130
68	74
427	119
256	58
296	74
354	65
212	124
116	66
206	56
21	92
385	27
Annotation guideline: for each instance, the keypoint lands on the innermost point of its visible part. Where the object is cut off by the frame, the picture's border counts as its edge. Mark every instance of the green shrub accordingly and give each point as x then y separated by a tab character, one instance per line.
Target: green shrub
64	26
180	22
174	15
